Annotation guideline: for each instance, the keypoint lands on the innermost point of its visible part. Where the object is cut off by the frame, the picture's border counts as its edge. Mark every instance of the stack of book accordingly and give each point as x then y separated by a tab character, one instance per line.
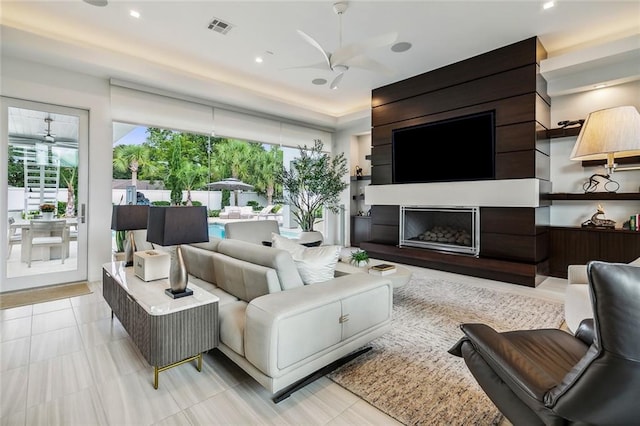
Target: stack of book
634	222
382	269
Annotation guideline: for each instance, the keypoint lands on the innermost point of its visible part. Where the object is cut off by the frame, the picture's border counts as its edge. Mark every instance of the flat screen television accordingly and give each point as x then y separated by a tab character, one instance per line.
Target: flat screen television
456	149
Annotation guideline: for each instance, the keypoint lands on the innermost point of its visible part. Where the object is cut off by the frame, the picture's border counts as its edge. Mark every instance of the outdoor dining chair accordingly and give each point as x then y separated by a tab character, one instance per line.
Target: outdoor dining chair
53	233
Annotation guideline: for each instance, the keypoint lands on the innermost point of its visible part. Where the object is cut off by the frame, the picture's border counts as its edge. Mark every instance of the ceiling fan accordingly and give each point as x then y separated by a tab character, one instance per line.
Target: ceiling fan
351	55
48	137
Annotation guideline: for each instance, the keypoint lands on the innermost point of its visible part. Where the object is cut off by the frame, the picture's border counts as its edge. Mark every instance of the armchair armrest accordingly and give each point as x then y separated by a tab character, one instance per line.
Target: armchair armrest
577	274
586	331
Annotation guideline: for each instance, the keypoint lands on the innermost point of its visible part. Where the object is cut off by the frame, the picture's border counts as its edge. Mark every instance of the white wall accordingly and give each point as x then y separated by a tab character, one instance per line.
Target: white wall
568	176
41	83
348	140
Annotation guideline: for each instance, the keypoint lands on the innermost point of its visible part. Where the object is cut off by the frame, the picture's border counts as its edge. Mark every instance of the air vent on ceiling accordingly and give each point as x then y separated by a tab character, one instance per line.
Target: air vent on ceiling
219	26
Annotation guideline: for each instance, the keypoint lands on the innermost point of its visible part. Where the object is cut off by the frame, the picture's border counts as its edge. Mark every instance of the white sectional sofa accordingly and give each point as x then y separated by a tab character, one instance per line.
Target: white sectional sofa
577	301
272	325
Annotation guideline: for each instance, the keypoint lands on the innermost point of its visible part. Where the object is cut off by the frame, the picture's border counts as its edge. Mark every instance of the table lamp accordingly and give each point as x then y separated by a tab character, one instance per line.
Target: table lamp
608	134
169	226
129	217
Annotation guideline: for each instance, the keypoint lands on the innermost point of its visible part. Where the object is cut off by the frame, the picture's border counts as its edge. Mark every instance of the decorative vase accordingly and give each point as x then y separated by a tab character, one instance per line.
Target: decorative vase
47	215
362	263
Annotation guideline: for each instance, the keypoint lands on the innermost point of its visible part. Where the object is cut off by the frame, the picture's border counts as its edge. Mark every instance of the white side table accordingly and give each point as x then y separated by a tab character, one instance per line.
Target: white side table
169	332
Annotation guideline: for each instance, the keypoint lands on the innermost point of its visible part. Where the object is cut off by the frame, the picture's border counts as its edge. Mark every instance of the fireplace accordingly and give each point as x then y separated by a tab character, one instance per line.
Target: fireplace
453	229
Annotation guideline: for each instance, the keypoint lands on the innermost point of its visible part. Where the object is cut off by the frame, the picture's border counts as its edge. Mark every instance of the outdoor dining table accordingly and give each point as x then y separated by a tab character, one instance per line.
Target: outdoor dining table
40	253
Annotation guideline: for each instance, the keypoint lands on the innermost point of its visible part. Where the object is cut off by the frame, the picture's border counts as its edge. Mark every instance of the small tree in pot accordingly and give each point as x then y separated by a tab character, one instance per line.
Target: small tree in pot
315	180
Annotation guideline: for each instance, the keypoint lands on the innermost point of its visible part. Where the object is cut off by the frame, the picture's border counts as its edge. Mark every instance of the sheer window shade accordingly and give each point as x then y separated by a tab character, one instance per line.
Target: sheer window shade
148	109
157	110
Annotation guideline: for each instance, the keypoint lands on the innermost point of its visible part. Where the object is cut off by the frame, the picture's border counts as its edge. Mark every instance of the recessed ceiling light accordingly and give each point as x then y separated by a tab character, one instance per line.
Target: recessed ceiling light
259	59
134	13
548	5
319	81
402	46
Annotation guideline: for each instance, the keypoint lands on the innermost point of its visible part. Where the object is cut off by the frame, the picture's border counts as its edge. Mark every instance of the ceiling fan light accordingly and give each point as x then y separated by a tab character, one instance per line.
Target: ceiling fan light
401	46
99	3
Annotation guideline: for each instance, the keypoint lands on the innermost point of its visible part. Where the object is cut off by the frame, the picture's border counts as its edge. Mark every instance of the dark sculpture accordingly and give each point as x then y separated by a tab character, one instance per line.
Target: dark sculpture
596	222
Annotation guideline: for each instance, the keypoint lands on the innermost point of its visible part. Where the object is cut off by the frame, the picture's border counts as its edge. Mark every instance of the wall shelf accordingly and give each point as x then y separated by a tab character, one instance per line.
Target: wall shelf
617	196
563	132
365	177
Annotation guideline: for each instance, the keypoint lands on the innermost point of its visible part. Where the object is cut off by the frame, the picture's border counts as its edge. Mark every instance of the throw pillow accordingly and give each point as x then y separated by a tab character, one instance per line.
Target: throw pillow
315	264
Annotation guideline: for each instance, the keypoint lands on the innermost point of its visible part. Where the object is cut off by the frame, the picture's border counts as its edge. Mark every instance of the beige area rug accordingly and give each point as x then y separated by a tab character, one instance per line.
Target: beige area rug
409	374
45	294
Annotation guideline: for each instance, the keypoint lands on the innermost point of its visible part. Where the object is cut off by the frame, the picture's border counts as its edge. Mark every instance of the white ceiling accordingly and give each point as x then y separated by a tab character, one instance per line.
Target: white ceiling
170	47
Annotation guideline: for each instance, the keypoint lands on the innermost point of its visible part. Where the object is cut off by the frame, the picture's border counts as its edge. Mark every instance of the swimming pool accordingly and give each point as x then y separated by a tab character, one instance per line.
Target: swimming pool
217	230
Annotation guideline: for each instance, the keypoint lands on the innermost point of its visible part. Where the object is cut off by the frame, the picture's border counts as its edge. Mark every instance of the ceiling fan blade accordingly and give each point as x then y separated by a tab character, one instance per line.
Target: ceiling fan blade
336	81
344	54
317	66
366	63
315	44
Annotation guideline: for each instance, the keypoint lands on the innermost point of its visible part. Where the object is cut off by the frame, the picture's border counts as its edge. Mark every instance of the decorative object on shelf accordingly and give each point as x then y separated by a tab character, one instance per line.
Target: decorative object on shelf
608	134
314	181
570	123
596	222
358	171
359	258
169	226
592	184
129	217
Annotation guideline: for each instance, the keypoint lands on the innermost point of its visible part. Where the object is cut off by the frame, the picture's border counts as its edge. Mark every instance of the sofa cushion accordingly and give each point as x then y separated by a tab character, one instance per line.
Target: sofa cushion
242	279
279	260
315	264
231	322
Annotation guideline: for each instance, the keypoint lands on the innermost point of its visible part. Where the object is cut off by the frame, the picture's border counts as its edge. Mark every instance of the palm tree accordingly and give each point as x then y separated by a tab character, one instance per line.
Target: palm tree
232	157
268	166
132	158
193	177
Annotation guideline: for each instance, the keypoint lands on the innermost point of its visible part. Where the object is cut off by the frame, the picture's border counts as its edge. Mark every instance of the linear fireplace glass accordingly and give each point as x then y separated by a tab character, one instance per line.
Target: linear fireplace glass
454	229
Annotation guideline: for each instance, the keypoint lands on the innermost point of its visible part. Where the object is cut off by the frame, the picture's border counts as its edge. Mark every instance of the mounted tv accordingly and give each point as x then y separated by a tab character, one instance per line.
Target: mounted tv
456	149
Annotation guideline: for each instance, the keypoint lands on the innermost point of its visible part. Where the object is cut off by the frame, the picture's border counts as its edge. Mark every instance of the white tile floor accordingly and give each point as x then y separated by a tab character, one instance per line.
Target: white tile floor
66	362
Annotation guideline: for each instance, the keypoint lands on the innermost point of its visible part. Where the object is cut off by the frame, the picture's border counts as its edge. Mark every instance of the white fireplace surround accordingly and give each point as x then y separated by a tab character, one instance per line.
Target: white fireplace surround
484	193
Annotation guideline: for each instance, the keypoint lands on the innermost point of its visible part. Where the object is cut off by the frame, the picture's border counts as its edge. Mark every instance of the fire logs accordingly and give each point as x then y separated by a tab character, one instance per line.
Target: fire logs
446	235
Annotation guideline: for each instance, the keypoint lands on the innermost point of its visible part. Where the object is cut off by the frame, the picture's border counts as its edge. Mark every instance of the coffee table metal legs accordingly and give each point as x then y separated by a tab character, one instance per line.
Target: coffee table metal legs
157	370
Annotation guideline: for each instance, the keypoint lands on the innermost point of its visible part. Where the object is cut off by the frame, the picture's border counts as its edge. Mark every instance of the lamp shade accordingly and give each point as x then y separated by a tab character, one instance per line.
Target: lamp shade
609	133
129	217
169	226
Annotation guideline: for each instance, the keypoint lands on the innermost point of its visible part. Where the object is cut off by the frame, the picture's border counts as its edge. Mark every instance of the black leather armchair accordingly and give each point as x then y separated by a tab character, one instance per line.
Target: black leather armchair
551	377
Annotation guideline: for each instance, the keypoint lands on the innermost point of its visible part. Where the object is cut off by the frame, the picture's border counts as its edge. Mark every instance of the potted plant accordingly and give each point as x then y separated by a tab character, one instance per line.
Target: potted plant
314	180
47	210
359	258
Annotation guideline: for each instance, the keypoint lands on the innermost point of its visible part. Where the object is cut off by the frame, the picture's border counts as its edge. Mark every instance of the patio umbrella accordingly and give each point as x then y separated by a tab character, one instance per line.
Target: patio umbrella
231	184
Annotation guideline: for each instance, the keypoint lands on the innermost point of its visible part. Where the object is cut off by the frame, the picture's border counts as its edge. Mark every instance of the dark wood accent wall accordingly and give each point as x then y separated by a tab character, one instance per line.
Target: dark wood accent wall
577	246
506	80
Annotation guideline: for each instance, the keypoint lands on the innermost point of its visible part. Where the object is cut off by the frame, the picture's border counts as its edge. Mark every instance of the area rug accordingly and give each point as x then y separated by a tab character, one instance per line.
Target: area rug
410	376
40	295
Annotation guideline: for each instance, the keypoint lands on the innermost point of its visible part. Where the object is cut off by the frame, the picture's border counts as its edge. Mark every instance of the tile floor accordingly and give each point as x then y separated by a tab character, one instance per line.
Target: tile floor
67	362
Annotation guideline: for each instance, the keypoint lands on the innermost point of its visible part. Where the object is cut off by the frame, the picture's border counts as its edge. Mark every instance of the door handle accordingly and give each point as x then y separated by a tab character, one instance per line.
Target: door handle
83	208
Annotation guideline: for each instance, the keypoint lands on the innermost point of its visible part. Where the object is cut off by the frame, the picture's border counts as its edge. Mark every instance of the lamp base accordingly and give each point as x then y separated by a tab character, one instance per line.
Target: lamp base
179	294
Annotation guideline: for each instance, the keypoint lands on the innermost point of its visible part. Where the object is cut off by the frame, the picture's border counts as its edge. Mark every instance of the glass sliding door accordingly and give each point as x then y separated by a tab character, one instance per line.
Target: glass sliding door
44	202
